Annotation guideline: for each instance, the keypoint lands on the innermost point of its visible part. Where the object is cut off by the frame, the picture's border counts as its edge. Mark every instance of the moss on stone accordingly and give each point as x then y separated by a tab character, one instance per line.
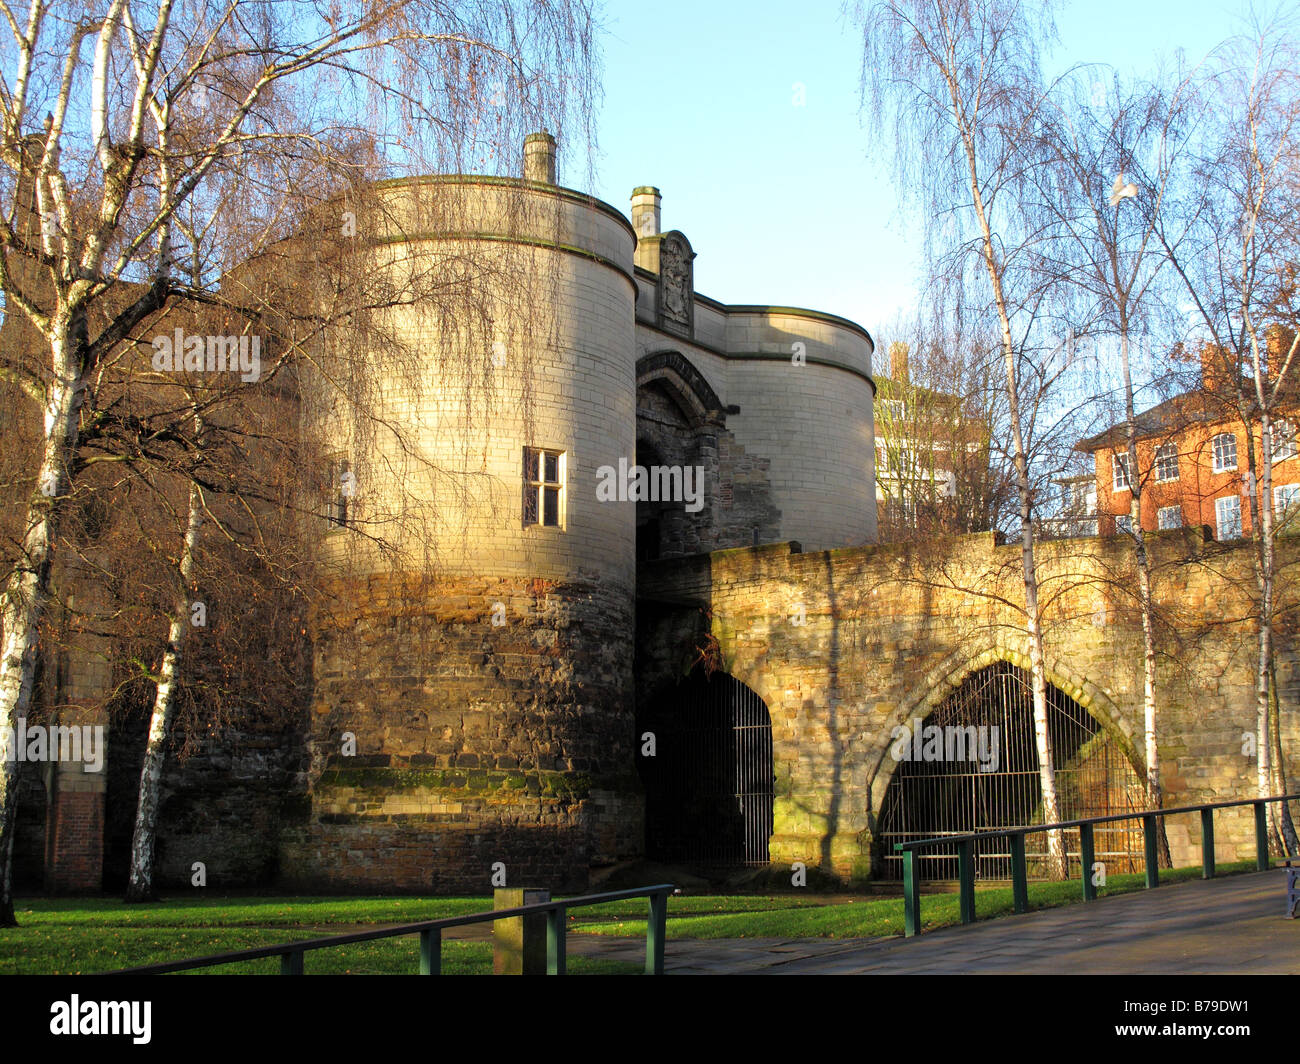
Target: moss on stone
477	781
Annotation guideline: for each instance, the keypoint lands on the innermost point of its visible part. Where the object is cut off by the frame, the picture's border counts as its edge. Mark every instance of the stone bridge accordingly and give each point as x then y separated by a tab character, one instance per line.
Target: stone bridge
844	646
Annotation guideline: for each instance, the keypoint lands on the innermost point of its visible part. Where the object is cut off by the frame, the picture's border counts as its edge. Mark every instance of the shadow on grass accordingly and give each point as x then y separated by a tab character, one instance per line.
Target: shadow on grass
71	936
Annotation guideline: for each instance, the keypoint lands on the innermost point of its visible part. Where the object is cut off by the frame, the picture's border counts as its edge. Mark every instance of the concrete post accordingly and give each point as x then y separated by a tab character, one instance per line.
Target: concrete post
519	942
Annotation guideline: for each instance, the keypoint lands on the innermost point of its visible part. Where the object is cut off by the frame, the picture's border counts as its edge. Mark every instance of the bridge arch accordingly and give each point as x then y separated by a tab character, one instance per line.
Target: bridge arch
942	680
1097	766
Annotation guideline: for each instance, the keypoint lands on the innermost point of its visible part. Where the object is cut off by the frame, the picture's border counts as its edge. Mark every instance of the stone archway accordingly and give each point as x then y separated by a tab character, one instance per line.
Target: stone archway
971	764
944	678
709	783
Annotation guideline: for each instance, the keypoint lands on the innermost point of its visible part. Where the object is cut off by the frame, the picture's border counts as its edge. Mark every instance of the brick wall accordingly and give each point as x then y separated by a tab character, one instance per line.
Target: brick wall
75	841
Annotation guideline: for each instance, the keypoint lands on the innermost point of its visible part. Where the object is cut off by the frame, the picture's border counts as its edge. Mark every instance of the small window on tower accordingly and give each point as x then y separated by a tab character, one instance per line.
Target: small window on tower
543	487
340	493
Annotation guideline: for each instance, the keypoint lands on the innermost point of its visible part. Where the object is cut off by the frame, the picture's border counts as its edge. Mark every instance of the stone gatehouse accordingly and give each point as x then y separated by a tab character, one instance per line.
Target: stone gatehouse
490	710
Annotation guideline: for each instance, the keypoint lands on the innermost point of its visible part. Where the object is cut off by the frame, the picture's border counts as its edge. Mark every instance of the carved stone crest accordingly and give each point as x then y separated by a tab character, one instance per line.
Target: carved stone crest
676	284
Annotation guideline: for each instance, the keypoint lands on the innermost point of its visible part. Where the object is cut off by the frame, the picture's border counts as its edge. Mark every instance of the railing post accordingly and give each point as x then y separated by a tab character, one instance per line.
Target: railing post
555	931
1261	837
911	895
1149	836
655	932
1019	875
966	877
1207	842
1087	856
431	951
291	962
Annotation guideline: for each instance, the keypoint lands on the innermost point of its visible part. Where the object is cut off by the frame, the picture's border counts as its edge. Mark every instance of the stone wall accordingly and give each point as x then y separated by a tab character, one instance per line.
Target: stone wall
492	723
888	632
736	493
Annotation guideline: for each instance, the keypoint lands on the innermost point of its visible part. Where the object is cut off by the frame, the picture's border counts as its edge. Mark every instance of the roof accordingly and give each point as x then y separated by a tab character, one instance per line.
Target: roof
1187	408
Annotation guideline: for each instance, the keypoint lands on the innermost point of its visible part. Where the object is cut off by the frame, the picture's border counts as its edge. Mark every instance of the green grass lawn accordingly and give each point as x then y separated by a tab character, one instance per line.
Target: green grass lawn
71	936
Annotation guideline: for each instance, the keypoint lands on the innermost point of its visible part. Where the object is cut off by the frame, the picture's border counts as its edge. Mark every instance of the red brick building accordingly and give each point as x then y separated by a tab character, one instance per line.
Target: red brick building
1192	463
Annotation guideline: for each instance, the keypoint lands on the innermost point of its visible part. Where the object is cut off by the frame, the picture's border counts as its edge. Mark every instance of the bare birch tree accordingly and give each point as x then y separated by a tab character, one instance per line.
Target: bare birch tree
1106	151
1238	275
123	125
960	82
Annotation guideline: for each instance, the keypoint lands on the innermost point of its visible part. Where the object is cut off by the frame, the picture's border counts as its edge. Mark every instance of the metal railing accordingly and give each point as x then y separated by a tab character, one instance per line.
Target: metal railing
1016	840
430	932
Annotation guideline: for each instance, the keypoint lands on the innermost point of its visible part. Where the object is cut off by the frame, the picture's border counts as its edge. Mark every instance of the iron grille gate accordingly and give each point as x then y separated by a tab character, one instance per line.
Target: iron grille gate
928	798
710	787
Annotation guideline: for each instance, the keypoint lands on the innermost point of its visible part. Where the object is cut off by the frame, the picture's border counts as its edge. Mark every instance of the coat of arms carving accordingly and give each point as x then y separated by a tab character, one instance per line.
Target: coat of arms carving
676	284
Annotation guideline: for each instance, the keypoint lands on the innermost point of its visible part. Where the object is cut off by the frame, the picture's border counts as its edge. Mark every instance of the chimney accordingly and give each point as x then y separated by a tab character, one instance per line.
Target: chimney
898	361
1279	343
1216	373
645	221
645	210
539	158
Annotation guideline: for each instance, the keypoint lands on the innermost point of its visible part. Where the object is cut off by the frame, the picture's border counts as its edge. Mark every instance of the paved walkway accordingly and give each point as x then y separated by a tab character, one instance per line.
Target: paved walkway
1234	925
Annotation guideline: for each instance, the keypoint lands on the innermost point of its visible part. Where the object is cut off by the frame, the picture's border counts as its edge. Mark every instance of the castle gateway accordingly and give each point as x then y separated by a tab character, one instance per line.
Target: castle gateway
709	664
495	711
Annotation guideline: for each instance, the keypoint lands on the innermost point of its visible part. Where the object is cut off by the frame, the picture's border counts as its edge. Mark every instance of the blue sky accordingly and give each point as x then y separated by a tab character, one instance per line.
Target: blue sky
794	204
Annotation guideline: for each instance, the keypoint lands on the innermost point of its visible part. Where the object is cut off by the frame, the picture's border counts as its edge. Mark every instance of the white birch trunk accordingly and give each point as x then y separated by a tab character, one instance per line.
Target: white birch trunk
1151	746
140	883
27	594
1037	666
1268	762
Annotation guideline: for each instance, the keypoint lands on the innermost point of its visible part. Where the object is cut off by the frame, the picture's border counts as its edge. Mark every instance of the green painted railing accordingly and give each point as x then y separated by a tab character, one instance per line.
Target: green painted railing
1016	839
430	932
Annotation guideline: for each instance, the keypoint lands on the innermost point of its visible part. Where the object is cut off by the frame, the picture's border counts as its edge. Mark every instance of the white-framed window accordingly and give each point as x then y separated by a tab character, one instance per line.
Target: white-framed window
894	409
1227	515
1225	452
1167	462
544	487
1168	517
1284	442
1079	500
1124	523
1286	498
1120	479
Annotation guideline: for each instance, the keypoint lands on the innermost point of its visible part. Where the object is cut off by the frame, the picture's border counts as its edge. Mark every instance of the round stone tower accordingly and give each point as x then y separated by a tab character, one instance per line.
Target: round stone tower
472	696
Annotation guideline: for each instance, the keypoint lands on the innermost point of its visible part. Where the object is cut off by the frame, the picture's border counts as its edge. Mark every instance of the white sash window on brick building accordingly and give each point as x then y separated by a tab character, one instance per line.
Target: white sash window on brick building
1167	462
1227	513
1286	499
1225	452
1284	442
1119	472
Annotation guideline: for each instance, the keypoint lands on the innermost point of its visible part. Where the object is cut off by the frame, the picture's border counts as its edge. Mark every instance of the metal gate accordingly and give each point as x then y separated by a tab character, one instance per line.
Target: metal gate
709	787
929	797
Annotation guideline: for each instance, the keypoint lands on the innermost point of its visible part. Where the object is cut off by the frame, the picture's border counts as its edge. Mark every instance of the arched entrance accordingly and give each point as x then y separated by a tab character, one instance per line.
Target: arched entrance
709	786
974	766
